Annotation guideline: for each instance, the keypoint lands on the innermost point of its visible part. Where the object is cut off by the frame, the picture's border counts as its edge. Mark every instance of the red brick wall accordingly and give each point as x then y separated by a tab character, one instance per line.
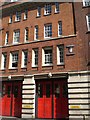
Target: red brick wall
74	62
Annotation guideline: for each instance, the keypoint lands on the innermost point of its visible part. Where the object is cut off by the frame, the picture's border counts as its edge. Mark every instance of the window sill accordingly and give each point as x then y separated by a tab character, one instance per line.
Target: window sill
47	14
35	66
38	16
24	19
56	12
60	64
70	54
10	23
3	69
46	38
24	67
14	68
88	32
86	6
6	45
47	65
17	21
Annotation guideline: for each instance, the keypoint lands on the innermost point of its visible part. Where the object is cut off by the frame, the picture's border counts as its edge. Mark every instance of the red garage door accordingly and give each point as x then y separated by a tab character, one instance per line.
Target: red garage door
11	99
52	101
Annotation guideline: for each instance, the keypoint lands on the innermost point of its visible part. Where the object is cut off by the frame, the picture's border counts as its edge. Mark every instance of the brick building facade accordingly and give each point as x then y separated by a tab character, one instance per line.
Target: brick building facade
45	59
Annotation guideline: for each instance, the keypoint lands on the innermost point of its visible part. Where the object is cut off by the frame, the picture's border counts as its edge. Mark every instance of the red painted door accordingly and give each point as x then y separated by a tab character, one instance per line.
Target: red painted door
60	99
6	99
44	93
52	101
11	99
17	99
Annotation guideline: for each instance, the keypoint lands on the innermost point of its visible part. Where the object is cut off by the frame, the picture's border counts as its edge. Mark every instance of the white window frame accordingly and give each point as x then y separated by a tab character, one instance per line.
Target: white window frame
26	34
18	16
60	55
38	11
35	57
60	28
36	32
47	30
16	36
24	59
25	14
47	9
10	18
3	61
47	56
6	38
56	7
86	3
11	62
88	21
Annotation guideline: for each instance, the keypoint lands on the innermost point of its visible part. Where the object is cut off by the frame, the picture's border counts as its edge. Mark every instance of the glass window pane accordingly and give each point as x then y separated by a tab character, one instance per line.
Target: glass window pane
47	90
57	90
8	91
40	90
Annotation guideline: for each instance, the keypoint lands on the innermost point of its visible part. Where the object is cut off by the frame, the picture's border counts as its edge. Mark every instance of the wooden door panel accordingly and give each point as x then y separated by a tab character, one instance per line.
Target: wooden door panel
44	91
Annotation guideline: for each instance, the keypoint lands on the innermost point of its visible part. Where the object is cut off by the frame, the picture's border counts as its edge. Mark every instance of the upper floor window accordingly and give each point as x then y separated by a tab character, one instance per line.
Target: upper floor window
56	7
6	38
35	58
3	61
48	30
47	9
59	28
25	14
47	56
36	32
14	60
16	36
10	18
38	11
60	54
86	2
24	58
18	16
26	34
88	22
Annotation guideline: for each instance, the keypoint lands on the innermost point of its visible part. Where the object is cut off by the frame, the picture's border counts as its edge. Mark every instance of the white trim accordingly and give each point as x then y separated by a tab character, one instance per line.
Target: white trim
10	61
2	61
23	58
18	16
38	11
58	55
36	32
59	26
47	25
6	38
14	37
56	7
26	30
86	3
33	58
25	16
43	56
46	11
88	21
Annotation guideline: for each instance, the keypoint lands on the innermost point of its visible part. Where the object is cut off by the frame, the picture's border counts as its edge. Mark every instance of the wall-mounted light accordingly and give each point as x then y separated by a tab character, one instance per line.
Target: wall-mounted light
50	74
9	77
70	49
